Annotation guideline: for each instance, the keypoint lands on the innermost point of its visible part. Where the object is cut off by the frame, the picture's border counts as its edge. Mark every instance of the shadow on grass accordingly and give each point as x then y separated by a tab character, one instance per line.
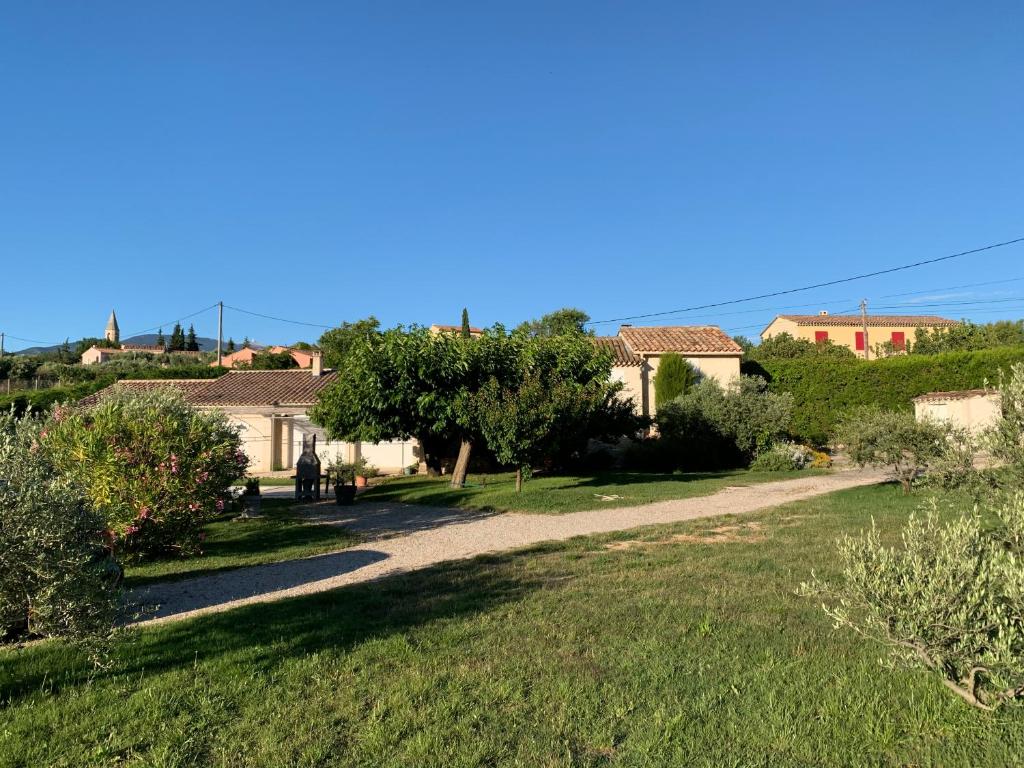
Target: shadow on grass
235	544
263	636
635	478
377	518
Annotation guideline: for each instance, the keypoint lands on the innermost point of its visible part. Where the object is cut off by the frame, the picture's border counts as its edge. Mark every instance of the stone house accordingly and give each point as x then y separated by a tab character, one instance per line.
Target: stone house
303	358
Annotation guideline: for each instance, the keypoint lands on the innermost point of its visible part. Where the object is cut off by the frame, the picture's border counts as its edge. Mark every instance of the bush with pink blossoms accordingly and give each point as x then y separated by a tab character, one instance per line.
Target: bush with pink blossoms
154	466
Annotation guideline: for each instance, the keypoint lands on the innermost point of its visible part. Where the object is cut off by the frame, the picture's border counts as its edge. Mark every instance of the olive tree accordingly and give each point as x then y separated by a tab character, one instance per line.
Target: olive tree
896	440
949	598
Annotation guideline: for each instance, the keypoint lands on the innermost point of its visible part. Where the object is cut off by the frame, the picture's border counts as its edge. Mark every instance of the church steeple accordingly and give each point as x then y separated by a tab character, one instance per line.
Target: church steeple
113	333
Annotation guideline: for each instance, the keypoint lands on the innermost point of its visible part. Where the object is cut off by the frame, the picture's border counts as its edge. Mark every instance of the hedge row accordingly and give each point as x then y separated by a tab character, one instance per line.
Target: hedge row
42	399
825	388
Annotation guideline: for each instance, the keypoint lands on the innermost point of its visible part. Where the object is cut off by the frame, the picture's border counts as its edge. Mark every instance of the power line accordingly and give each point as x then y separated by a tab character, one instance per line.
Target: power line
278	319
816	285
176	320
952	288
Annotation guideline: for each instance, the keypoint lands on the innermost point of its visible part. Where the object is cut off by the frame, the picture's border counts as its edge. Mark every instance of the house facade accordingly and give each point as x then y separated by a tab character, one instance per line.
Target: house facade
270	408
848	330
243	357
972	409
637	352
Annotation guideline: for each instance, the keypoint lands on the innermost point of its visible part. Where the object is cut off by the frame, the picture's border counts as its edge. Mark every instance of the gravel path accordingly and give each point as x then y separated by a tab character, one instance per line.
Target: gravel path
406	537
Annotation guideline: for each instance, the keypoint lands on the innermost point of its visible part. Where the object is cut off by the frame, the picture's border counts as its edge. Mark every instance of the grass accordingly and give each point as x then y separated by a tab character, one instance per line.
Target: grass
558	494
671	646
280	534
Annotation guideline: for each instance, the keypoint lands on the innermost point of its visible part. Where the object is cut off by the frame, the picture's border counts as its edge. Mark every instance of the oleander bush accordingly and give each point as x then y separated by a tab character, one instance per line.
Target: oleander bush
57	576
155	467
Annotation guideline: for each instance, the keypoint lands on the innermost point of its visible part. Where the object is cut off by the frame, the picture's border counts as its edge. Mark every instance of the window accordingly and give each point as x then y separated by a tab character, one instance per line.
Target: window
899	340
859	341
820	336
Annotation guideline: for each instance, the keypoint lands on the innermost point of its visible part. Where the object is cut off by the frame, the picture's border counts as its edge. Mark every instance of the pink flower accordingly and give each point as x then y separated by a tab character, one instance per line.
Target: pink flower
131	530
143	513
220	505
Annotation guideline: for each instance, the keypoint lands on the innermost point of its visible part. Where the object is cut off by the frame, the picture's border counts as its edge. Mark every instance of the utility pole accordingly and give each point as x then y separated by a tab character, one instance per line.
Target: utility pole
864	325
1	343
220	329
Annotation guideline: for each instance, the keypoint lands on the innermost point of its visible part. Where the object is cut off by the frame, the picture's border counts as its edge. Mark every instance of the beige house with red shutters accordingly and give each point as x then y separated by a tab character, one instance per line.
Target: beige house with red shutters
848	330
637	351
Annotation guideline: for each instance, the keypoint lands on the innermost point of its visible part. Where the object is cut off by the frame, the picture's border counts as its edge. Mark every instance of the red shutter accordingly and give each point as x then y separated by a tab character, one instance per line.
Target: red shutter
859	343
899	340
820	336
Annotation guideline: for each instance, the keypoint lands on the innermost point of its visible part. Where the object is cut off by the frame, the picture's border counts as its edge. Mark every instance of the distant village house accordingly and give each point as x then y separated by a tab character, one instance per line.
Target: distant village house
848	330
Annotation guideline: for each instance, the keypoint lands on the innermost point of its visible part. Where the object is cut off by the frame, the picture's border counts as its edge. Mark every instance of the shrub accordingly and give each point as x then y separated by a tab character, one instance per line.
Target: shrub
950	599
1005	440
153	466
824	388
713	427
783	456
673	379
893	439
56	576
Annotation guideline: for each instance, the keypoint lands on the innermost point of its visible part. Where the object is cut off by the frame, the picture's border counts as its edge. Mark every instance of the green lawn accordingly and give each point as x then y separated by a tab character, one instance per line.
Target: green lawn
280	534
558	494
683	645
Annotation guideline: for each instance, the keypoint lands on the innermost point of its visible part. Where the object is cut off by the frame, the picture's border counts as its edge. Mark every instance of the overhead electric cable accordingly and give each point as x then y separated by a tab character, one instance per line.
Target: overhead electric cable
812	287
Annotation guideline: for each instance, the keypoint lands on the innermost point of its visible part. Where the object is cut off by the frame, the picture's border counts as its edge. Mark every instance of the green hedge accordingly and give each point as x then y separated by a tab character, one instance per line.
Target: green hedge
826	388
41	399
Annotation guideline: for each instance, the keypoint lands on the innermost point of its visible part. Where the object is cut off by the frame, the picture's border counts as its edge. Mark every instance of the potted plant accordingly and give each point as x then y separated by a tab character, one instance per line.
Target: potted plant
344	482
364	471
251	498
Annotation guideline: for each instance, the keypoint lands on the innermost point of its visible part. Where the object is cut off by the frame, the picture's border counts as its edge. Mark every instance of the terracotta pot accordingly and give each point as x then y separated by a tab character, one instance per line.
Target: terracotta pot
360	481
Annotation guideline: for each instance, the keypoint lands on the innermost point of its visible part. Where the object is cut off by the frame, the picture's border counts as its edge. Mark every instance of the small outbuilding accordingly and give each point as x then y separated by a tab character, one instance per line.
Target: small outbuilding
971	409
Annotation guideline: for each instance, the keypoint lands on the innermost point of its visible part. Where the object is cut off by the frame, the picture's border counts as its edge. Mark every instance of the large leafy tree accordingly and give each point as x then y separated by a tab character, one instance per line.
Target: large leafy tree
399	383
338	342
559	395
561	322
412	383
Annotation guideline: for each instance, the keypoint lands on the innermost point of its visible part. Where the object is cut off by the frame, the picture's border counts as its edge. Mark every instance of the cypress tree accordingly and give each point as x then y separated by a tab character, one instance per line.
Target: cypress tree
160	340
674	377
465	324
231	345
177	343
191	345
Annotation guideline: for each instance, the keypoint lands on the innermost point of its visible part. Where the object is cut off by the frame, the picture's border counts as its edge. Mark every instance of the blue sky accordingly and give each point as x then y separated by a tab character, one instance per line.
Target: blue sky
326	161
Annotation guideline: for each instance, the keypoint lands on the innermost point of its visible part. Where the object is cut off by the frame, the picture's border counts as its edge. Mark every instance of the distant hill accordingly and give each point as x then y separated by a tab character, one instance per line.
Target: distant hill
146	339
149	339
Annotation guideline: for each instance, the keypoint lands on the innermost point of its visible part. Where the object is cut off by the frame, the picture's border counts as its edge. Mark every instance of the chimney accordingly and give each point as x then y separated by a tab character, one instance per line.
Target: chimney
318	364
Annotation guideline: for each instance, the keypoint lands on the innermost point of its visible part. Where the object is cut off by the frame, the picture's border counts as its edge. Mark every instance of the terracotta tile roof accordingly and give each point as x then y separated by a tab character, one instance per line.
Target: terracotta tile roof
189	386
264	388
622	354
931	321
693	339
962	394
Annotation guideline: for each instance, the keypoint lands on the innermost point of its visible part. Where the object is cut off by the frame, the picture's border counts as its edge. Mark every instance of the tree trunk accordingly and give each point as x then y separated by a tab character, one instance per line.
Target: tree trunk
462	464
519	479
